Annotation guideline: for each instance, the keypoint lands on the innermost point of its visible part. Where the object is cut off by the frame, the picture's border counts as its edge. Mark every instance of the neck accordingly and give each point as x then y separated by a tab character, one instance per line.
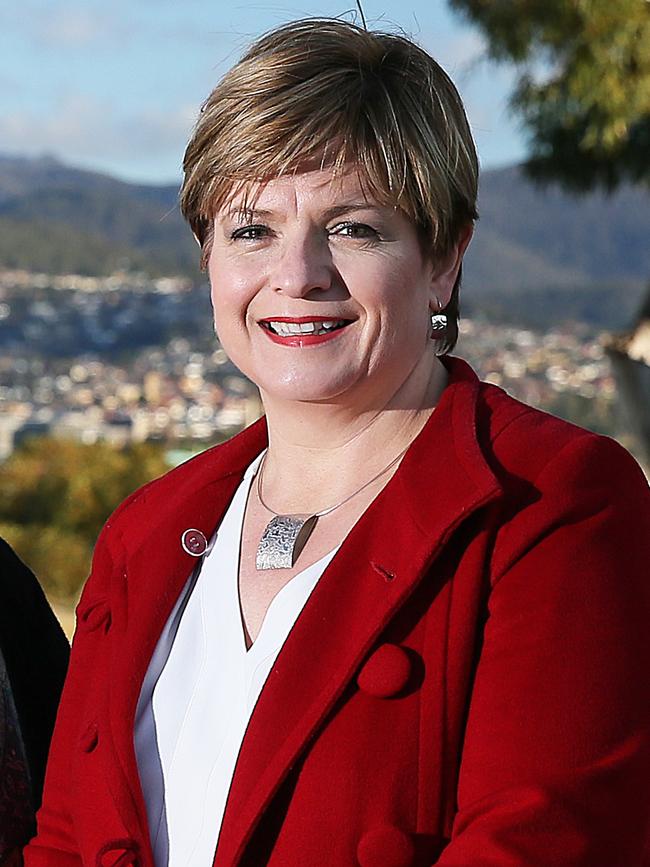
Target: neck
319	452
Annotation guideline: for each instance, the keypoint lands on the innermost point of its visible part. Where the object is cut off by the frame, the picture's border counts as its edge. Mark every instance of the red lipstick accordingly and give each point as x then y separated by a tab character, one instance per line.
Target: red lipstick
305	338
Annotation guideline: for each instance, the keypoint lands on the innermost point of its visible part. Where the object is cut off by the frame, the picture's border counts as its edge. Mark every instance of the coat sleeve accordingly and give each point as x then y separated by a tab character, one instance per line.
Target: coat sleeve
555	767
55	843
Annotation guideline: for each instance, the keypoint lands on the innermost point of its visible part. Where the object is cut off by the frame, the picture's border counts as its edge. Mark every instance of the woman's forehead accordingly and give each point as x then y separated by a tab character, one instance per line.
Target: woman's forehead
324	187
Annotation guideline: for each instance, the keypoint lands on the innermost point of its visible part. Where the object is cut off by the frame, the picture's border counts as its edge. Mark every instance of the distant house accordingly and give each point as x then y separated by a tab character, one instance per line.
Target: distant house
630	356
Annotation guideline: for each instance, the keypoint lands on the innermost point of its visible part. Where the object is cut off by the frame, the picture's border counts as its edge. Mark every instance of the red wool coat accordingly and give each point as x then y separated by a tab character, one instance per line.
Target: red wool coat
466	686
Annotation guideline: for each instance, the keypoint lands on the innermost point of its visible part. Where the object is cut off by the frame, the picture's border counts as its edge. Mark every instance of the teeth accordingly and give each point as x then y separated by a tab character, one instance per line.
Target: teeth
286	329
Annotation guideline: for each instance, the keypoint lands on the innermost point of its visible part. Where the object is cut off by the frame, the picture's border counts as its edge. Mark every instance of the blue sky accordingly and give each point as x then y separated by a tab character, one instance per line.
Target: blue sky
116	86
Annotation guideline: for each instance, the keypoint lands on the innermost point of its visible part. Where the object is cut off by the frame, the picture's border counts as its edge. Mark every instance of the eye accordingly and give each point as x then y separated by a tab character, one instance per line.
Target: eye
250	233
357	231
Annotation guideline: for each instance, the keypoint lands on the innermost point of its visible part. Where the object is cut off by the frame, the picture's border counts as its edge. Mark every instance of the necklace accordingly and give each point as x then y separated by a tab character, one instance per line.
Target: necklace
286	535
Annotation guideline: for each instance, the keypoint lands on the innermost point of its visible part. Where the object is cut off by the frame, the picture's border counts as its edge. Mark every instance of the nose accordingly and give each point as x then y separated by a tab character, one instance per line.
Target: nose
304	266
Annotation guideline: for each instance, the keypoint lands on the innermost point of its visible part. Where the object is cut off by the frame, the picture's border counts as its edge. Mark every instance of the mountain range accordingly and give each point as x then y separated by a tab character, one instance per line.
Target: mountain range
539	255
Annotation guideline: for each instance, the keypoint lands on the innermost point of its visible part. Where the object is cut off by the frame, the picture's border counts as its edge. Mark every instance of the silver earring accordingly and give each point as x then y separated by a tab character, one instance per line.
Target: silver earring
438	322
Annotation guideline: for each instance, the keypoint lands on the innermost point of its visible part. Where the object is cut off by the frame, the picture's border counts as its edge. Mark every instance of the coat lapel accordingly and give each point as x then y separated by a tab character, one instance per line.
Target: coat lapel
442	480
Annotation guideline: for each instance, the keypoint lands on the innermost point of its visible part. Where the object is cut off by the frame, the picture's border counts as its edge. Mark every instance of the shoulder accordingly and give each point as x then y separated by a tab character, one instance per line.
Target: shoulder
523	442
20	595
518	441
561	481
24	609
20	591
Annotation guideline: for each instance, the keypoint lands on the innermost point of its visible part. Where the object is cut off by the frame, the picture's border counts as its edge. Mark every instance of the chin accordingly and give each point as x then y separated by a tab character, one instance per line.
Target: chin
306	389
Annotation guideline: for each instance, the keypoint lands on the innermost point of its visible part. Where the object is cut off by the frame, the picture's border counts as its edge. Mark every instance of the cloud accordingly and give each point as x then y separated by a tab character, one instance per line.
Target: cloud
460	55
75	28
158	132
88	131
67	26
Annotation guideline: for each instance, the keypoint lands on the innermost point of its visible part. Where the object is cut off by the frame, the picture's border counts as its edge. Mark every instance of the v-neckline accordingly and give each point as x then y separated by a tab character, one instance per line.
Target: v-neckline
290	585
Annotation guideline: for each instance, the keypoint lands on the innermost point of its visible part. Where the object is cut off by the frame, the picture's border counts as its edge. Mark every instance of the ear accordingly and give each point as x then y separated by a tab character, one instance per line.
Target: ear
445	271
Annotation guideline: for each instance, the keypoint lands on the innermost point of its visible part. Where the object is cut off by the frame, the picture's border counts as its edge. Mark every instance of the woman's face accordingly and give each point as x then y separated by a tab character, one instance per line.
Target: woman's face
321	294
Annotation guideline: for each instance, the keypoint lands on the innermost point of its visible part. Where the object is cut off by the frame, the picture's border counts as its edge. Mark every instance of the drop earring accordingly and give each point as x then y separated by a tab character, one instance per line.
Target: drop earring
438	322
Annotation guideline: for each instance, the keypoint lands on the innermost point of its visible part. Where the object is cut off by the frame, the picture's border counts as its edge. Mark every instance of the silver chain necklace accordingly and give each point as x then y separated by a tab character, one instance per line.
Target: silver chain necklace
286	535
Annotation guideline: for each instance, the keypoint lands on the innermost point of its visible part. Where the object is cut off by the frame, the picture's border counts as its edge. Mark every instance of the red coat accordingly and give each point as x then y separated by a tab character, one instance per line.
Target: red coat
466	686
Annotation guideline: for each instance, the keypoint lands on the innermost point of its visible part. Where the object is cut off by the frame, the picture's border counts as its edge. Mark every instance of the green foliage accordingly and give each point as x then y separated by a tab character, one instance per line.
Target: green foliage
56	496
589	115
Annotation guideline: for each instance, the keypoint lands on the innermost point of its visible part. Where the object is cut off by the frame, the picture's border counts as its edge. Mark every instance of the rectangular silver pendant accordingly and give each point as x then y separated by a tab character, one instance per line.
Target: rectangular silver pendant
283	540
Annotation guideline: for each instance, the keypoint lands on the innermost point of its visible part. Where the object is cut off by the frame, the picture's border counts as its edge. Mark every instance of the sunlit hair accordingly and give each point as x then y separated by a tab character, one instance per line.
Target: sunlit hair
327	92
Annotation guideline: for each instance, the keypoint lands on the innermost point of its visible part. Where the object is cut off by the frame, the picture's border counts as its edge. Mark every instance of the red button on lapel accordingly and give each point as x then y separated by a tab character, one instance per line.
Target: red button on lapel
194	542
386	673
386	846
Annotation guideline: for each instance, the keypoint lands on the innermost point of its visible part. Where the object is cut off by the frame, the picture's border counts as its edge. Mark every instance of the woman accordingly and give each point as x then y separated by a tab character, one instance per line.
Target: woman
33	660
401	620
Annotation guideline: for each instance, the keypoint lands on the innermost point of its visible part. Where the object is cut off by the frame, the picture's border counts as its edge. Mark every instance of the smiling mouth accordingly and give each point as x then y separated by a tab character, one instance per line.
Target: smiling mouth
313	327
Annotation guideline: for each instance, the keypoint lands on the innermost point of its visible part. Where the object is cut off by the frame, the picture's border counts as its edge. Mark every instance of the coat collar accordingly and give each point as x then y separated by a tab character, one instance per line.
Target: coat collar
443	478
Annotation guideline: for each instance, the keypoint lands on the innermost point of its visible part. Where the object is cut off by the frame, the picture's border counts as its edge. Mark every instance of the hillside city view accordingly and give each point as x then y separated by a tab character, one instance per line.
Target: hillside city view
126	358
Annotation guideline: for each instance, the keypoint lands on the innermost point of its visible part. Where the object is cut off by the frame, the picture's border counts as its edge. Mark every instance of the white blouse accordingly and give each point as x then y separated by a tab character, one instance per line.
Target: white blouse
199	692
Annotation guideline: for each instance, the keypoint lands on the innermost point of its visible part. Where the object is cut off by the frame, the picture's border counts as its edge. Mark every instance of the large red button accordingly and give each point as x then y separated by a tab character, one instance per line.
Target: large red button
386	673
386	846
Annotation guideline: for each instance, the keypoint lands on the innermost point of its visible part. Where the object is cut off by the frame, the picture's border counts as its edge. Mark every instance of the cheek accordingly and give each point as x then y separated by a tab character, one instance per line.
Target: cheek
402	296
231	293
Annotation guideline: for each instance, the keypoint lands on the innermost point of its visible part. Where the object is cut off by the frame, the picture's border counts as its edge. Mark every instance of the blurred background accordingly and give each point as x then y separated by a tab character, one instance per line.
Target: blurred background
109	369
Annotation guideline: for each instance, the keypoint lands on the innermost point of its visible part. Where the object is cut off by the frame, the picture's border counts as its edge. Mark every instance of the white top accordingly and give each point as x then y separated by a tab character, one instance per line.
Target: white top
199	693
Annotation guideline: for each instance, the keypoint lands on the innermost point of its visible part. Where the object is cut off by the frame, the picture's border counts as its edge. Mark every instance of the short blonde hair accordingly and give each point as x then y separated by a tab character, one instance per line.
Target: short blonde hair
329	91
